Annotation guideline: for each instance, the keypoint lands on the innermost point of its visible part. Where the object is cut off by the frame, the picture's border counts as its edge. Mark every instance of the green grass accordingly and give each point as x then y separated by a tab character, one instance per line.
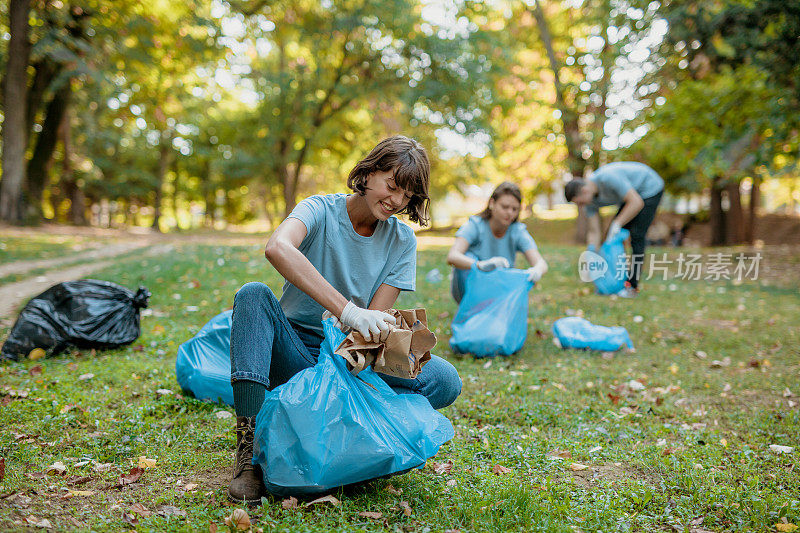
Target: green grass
42	246
690	451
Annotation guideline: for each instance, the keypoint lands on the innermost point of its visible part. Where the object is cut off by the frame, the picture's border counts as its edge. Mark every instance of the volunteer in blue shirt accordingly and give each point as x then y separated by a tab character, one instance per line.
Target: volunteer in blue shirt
346	254
637	190
492	239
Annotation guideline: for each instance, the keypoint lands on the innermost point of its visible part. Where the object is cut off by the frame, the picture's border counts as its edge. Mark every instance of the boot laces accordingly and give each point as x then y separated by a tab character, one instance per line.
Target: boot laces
244	453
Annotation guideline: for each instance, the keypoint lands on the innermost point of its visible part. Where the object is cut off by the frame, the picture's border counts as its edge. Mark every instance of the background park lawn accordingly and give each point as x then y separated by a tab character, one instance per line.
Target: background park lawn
673	437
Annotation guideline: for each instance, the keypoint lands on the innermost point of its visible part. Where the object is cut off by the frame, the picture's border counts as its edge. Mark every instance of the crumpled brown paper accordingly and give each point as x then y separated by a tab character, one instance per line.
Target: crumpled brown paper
403	354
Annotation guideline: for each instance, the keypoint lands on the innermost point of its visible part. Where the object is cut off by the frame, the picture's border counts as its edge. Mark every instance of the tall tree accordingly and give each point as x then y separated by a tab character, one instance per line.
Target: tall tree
14	122
318	62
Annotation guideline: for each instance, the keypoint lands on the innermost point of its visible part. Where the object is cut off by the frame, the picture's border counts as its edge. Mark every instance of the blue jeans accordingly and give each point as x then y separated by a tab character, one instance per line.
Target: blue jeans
266	347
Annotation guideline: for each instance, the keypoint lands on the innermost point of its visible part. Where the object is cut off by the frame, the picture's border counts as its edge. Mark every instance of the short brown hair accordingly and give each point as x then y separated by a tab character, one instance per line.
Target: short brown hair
411	171
572	188
501	190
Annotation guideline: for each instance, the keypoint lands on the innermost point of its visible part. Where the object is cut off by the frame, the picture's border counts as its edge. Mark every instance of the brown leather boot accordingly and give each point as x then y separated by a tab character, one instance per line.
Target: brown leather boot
247	485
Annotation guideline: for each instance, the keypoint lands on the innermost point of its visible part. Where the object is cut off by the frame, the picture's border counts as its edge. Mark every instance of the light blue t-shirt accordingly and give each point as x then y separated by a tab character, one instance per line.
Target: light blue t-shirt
483	244
614	180
355	265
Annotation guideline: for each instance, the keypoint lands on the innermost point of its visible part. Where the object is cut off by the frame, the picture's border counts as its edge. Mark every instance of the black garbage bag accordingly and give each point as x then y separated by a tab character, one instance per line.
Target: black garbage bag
87	313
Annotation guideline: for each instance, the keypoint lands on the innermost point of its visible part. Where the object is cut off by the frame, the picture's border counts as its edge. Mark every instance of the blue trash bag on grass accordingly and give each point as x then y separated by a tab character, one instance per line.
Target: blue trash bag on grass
492	317
577	332
203	366
325	428
614	277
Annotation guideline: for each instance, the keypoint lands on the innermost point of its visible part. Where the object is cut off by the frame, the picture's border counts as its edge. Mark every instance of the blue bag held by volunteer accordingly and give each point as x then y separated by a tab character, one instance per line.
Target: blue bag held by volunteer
325	427
612	279
203	365
577	332
492	317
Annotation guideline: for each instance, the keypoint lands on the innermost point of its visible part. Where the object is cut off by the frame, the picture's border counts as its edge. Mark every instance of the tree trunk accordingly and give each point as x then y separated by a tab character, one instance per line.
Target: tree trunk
15	134
607	61
734	220
164	160
569	118
39	165
71	190
716	216
289	190
755	200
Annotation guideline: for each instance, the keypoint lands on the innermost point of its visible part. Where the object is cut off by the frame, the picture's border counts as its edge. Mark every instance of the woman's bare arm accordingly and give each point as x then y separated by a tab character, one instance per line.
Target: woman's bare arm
282	251
457	255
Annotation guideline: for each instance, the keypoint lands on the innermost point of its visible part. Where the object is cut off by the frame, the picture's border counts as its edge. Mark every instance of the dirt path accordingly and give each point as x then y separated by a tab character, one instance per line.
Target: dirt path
13	294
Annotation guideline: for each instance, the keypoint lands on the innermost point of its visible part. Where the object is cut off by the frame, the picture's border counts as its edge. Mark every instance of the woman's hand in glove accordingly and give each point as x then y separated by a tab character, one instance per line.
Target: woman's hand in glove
373	325
492	263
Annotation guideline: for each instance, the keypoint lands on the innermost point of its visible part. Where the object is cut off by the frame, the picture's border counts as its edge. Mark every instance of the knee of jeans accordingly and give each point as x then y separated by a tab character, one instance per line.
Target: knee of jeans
253	291
448	387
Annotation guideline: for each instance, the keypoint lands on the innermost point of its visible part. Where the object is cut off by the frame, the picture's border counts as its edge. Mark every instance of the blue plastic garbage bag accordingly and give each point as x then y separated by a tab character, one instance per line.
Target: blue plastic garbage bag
203	366
577	332
612	279
325	428
492	317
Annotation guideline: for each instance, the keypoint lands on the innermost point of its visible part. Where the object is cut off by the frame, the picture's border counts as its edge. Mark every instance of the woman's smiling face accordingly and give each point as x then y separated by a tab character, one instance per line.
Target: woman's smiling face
384	197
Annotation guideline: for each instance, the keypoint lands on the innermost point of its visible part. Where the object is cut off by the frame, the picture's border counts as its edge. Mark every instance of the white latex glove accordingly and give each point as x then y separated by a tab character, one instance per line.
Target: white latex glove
338	323
535	273
492	263
613	229
373	325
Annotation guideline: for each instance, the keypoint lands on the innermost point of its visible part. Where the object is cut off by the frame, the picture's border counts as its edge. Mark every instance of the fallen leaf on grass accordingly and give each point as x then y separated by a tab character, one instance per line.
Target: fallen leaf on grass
2	468
371	514
289	503
170	510
56	469
67	408
132	477
406	508
391	488
788	527
36	353
43	523
777	448
451	483
163	392
35	371
103	467
719	364
190	487
442	316
78	480
223	414
441	468
144	462
140	509
787	393
130	519
614	398
499	469
74	493
452	531
84	377
564	454
238	519
325	499
576	467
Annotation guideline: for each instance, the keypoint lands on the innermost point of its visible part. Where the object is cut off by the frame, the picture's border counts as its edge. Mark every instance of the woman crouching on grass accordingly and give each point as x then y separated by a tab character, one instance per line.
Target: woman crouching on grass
344	253
492	239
